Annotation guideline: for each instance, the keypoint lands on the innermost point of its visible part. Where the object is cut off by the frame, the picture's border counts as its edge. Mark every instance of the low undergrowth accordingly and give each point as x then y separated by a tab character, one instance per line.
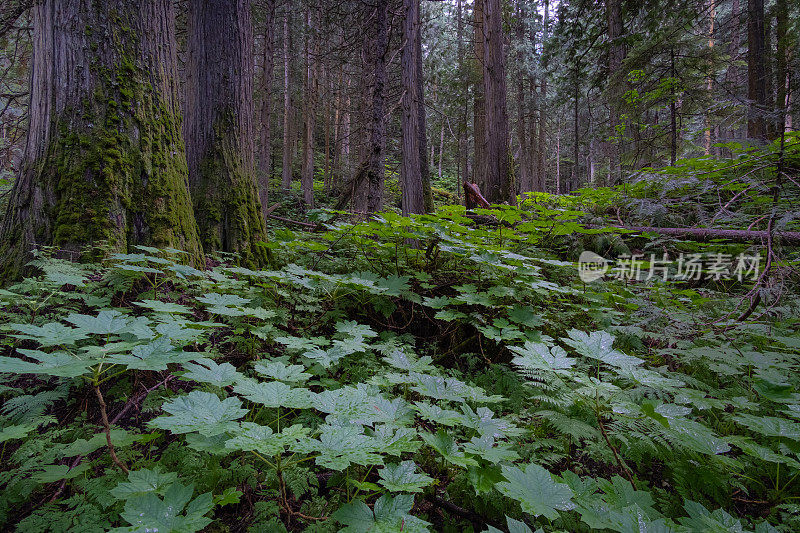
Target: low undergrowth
398	374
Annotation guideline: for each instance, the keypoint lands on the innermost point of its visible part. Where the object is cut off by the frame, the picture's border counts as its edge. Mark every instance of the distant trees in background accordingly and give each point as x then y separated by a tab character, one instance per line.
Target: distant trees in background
381	103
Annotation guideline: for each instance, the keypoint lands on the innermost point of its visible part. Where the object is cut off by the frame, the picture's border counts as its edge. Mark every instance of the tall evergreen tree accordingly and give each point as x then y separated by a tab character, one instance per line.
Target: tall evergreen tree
219	128
105	158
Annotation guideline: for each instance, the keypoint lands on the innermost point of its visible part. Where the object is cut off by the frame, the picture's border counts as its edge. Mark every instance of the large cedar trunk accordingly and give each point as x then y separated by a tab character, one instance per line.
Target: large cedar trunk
414	158
498	173
105	158
375	165
219	128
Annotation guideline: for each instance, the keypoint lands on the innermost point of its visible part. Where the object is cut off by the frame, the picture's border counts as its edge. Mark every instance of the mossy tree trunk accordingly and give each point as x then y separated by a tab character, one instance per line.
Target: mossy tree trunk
105	159
219	129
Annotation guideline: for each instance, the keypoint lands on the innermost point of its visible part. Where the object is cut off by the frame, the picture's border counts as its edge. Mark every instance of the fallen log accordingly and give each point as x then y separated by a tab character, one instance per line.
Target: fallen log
705	234
296	222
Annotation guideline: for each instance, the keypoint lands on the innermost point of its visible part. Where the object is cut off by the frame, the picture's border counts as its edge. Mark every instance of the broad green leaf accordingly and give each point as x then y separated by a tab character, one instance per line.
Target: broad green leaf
448	448
536	491
389	515
770	426
59	364
538	356
53	473
282	372
202	412
156	355
223	300
261	439
340	446
354	329
403	477
144	481
208	371
174	513
169	308
273	394
487	449
598	345
51	334
105	323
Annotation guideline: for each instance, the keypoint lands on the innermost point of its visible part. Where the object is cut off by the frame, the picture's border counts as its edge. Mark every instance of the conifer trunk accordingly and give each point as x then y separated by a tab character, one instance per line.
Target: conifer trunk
498	173
105	158
375	166
265	168
219	128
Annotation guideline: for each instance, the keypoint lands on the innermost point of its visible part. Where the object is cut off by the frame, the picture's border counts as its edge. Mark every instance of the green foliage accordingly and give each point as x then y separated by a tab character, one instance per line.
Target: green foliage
365	379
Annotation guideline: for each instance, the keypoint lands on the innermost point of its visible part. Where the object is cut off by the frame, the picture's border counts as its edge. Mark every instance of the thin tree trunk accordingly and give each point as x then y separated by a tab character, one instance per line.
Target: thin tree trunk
756	73
265	169
286	177
219	128
542	137
616	56
522	126
427	193
441	151
104	134
712	14
732	73
673	120
479	103
781	61
377	146
310	111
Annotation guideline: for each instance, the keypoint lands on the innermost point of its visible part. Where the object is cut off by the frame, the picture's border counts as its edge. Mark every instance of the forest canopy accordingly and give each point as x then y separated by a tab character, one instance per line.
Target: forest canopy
399	265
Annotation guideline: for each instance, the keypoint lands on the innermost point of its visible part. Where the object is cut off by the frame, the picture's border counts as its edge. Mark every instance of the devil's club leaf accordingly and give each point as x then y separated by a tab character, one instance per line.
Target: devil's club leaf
537	356
208	371
143	481
274	394
536	491
202	412
389	515
403	477
598	345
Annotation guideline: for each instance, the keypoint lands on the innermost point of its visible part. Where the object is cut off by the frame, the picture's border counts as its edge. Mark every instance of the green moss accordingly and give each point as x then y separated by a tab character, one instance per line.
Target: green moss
115	170
226	202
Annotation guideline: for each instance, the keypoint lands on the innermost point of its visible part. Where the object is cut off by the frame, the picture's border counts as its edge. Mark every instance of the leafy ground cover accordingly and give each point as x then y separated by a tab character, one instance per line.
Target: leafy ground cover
402	374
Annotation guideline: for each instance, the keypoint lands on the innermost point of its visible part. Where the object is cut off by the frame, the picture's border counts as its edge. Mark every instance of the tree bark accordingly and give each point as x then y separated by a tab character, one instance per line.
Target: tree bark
479	102
756	72
781	62
286	171
525	183
498	176
541	178
375	165
219	128
105	157
616	56
265	168
310	108
414	157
